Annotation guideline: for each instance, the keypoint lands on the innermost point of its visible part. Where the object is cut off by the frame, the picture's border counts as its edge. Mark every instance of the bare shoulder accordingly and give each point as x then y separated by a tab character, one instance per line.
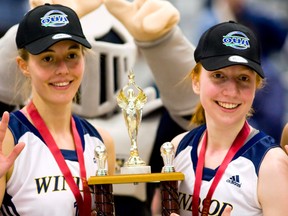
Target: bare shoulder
176	140
273	175
284	137
109	143
107	138
275	159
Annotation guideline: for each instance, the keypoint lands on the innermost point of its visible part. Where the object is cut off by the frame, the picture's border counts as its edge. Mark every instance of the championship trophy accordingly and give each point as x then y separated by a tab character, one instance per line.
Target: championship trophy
131	100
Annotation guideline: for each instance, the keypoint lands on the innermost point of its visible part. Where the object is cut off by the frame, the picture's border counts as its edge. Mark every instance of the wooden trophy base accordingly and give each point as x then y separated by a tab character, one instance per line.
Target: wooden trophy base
168	182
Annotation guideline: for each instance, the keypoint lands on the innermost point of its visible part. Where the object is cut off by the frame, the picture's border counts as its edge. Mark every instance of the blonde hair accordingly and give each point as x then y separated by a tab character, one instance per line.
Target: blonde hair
199	114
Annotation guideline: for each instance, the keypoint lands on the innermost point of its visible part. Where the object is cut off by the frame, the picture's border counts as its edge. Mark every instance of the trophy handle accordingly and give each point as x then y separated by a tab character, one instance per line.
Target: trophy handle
169	189
169	196
104	200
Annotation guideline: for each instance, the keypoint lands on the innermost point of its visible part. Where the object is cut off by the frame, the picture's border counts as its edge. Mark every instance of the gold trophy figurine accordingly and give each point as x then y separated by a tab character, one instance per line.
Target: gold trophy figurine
131	100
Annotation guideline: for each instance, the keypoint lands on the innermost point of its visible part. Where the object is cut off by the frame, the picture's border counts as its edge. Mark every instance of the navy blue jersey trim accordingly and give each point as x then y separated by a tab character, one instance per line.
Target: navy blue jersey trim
190	138
255	149
19	125
22	125
8	207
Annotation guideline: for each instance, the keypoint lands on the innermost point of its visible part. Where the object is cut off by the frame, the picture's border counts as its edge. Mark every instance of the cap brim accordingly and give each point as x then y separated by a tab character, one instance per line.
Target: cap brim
36	47
218	62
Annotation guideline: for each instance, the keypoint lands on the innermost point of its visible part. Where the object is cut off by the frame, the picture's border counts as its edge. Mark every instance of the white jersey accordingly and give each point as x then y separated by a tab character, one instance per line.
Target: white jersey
239	183
37	186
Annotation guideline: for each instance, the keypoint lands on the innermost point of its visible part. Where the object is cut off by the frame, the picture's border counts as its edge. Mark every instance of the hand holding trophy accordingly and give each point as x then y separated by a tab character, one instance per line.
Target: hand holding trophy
131	100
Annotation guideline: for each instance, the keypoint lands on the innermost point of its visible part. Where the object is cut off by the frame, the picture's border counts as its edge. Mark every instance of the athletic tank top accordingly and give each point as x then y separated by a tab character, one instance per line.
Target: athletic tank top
238	185
37	186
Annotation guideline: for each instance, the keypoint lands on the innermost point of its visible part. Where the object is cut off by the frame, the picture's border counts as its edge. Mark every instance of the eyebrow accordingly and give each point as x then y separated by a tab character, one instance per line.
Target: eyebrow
74	46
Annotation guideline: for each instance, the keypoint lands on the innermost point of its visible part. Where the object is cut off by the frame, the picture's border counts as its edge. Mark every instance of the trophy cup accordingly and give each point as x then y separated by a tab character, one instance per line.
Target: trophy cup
101	158
167	153
131	100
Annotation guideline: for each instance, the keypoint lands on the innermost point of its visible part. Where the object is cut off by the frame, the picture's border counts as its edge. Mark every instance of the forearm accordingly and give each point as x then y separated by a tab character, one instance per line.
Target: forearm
171	59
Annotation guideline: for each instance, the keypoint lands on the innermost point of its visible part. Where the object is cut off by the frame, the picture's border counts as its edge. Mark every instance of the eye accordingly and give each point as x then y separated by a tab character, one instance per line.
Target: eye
47	59
244	78
72	56
217	75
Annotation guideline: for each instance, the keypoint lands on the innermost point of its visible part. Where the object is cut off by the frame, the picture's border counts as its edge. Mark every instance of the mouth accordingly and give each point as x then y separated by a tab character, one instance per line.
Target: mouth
227	105
61	84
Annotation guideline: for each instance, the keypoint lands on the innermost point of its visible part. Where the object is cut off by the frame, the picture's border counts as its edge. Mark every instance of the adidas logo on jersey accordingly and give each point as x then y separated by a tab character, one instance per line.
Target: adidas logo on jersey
235	180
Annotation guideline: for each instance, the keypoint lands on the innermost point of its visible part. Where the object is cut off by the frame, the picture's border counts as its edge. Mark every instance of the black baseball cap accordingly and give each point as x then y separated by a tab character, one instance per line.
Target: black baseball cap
48	24
226	44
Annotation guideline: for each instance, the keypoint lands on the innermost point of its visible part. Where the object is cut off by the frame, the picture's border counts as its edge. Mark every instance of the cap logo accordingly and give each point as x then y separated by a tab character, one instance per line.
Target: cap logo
54	18
236	40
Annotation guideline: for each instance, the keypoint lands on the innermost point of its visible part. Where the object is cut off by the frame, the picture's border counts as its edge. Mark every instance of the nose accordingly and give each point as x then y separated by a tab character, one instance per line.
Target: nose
62	67
231	88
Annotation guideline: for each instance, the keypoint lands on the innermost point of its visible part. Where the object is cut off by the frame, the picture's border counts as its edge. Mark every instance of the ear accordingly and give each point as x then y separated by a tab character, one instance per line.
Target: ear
196	86
23	66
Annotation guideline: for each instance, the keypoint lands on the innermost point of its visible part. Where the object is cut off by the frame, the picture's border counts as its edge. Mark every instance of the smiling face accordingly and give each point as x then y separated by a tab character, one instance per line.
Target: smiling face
56	73
226	94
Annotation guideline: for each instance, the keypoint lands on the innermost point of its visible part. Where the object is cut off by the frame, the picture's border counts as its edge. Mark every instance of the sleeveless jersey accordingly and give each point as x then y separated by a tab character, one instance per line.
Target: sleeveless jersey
37	186
238	185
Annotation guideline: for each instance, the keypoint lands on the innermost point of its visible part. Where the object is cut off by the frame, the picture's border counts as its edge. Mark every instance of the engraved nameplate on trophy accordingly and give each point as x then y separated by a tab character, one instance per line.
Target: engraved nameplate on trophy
131	100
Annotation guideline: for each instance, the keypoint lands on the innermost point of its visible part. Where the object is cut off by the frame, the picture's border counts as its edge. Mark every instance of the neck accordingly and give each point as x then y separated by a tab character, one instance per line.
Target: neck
56	117
222	137
57	122
219	141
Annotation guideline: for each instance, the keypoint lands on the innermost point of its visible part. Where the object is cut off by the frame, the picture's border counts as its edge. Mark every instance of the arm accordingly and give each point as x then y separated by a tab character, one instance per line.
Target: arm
109	143
273	187
171	59
8	153
284	137
169	54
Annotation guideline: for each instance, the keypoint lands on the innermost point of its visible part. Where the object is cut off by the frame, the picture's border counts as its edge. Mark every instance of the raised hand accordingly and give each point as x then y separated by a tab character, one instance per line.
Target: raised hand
7	161
146	20
81	7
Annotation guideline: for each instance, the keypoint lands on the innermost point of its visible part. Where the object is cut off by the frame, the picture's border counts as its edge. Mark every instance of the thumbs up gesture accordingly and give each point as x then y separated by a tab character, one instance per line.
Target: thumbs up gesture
146	20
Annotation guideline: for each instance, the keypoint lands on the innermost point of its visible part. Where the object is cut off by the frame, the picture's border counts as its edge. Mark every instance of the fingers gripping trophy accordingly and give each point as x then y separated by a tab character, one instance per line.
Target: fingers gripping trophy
131	100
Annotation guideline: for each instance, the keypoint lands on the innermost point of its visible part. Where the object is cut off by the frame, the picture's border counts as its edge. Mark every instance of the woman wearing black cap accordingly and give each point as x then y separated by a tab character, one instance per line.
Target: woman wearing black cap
49	177
227	162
